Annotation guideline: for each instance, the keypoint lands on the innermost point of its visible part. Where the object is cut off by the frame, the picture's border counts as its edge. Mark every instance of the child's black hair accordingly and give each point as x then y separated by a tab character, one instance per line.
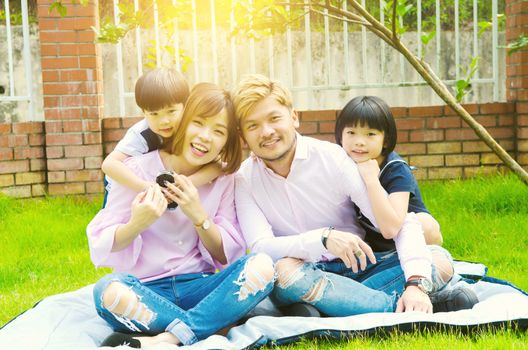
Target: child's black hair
370	111
160	88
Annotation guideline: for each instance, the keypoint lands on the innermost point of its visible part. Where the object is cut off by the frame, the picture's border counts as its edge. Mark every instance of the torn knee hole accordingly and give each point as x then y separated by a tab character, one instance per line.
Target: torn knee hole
289	271
316	292
443	266
123	302
257	274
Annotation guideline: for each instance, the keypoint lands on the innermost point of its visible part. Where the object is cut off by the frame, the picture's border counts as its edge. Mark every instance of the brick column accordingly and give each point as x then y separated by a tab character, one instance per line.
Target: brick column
517	73
73	97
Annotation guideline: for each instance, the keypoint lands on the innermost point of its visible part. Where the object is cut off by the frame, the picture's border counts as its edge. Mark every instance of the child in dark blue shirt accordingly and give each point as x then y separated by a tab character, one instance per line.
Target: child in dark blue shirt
366	129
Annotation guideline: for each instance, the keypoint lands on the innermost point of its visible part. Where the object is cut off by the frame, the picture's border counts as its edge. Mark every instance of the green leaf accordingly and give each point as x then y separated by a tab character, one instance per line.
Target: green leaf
59	7
473	65
461	84
426	37
109	33
484	25
460	87
518	44
402	8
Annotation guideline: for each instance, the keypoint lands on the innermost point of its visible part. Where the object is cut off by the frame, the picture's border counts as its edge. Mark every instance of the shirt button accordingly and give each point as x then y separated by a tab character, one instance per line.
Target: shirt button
180	242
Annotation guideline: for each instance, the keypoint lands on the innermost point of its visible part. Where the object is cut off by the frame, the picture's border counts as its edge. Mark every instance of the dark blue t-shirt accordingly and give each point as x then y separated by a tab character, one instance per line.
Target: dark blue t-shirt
395	176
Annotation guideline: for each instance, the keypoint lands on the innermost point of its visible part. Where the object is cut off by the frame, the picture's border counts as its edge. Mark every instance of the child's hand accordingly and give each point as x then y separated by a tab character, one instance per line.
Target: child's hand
369	170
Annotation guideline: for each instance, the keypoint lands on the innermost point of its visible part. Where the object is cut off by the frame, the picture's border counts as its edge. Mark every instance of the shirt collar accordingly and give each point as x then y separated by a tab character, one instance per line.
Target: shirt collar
301	149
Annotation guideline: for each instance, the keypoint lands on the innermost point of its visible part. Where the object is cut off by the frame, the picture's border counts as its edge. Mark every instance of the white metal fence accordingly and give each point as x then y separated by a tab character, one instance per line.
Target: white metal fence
323	67
324	62
15	91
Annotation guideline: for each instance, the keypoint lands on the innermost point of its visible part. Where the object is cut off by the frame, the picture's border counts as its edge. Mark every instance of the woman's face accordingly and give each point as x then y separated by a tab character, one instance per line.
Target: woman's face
205	138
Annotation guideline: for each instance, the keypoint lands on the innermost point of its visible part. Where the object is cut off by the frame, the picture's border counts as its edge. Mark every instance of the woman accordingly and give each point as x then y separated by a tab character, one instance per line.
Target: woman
164	285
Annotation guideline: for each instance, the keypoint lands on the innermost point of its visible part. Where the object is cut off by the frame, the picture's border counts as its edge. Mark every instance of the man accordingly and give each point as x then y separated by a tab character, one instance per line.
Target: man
294	200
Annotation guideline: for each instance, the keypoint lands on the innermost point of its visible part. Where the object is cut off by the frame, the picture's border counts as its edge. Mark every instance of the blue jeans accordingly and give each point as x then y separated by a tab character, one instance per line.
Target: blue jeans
345	293
191	306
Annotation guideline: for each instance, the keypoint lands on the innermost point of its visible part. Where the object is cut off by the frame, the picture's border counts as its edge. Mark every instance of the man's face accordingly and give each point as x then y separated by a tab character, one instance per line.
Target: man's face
269	131
165	121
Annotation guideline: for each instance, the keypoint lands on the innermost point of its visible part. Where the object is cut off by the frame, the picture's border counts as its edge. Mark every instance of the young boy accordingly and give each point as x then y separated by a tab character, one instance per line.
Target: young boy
161	94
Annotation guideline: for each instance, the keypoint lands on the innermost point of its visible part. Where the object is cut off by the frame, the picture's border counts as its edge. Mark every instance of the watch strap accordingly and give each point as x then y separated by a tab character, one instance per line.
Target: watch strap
202	224
418	282
325	234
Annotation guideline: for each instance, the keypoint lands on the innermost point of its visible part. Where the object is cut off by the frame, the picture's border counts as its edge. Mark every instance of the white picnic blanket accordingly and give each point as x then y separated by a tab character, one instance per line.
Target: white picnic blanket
69	321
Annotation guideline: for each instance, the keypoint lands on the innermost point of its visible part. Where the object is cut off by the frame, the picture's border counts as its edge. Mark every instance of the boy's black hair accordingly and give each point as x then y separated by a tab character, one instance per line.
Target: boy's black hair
160	88
370	111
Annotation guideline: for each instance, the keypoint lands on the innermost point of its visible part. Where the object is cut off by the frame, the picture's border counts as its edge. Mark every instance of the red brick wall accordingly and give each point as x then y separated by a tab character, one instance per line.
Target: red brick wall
432	138
63	154
73	99
114	129
517	74
437	141
22	159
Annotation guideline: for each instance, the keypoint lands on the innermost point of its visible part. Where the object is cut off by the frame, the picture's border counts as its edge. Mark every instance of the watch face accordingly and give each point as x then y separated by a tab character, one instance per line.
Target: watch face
426	284
206	224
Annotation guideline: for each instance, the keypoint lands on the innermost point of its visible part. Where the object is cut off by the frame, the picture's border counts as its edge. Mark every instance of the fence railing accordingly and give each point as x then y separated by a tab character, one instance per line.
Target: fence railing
321	66
9	91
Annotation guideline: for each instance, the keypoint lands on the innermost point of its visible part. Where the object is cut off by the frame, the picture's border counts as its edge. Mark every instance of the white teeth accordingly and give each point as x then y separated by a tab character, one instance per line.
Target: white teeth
200	148
270	142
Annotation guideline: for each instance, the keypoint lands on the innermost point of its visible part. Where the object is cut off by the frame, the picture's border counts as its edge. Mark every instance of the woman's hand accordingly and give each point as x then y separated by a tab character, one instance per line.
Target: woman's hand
148	206
183	192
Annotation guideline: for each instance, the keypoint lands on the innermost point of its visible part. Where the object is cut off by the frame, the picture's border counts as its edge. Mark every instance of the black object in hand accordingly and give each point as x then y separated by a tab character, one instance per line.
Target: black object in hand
166	176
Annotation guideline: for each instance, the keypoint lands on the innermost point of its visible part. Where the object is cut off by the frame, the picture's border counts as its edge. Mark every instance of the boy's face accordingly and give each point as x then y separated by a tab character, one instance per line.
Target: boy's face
362	143
165	121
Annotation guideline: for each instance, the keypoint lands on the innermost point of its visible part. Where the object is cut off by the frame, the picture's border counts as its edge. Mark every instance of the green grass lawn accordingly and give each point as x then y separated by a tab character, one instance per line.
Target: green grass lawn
45	252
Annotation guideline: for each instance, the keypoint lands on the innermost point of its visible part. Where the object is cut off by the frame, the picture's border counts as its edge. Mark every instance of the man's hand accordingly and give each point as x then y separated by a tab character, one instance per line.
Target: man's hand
414	299
368	169
147	207
350	248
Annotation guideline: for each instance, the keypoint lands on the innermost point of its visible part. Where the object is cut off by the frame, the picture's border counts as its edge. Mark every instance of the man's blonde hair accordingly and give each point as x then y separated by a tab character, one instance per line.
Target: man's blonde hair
255	87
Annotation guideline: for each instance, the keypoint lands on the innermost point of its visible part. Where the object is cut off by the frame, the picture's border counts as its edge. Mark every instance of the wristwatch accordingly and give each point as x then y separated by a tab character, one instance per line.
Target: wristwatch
325	234
205	225
423	283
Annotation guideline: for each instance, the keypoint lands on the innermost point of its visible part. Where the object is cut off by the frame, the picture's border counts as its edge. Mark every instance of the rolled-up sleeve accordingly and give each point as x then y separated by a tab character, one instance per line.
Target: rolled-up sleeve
415	257
225	219
353	185
101	230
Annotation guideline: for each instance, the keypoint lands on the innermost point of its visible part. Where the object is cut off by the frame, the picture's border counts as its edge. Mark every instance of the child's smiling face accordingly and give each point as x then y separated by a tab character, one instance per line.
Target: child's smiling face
165	121
362	143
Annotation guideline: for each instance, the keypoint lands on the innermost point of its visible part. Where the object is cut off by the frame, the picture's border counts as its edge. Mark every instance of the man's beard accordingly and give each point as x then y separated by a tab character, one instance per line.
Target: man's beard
282	155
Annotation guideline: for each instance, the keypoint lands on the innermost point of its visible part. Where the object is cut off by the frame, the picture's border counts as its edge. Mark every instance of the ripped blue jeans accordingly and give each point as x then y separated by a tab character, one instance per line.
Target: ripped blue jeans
190	306
336	290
